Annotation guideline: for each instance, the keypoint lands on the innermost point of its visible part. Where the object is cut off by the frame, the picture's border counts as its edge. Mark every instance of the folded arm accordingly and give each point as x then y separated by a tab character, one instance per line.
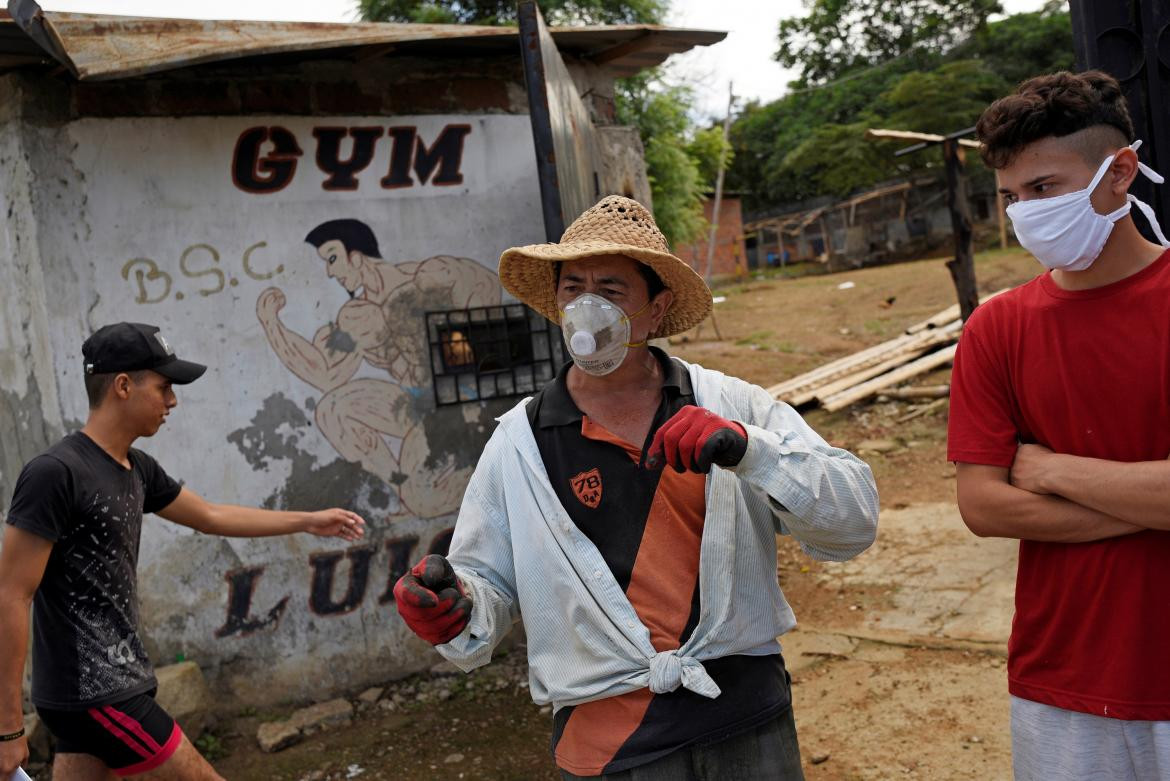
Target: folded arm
992	507
1137	492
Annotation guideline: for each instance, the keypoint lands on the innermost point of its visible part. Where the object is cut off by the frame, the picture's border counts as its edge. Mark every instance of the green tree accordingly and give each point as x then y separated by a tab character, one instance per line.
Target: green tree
502	12
705	148
838	159
680	163
1024	45
763	135
838	37
944	100
932	86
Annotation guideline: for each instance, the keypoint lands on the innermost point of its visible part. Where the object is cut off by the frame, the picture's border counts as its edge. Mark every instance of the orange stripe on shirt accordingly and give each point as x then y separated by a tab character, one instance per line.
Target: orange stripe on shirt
666	571
596	730
661	590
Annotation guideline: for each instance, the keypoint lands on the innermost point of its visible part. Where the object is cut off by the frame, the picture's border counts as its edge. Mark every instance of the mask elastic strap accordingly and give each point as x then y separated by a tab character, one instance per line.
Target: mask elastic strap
1146	210
641	309
630	317
1101	171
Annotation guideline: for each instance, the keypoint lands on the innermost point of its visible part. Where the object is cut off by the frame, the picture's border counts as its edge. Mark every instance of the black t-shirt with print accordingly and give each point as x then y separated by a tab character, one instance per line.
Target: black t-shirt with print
86	648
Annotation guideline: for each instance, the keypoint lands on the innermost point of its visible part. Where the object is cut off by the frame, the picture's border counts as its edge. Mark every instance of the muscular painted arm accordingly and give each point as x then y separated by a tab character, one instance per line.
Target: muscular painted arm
22	565
314	362
471	283
229	520
992	507
1138	493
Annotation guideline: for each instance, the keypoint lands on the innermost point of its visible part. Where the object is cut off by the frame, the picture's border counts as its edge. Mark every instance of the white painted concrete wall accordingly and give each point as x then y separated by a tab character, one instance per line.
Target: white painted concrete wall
108	200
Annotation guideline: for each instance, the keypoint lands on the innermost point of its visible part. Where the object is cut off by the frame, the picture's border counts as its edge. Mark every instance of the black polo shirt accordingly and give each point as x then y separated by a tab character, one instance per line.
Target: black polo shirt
647	525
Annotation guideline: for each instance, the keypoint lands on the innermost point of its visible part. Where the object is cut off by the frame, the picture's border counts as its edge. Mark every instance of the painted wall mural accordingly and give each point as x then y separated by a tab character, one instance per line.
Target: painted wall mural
379	326
298	258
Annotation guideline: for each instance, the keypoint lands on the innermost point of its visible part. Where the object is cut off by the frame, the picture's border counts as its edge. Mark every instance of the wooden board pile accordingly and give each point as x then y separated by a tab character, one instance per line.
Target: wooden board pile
923	347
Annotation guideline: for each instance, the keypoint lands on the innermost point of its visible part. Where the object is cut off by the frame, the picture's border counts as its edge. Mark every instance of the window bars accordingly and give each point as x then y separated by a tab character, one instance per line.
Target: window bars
490	352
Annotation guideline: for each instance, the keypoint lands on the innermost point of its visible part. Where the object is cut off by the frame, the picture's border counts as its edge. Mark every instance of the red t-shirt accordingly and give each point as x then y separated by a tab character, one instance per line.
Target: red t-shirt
1085	373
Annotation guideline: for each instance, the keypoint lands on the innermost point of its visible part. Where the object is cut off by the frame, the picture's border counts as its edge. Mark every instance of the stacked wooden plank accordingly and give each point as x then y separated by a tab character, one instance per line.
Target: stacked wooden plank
923	347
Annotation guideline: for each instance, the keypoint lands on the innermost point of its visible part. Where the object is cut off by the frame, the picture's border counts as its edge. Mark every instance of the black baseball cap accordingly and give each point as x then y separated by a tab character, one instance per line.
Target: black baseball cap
129	347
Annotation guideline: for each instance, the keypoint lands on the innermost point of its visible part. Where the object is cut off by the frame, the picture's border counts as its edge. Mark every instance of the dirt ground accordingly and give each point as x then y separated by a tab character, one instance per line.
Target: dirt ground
898	662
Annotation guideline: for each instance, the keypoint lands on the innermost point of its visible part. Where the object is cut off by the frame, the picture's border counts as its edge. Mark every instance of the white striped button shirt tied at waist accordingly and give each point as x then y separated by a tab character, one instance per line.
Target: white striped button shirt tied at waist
519	555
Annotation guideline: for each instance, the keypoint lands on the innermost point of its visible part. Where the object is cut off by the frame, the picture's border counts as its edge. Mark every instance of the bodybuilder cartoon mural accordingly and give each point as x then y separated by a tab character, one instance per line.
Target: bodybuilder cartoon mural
381	325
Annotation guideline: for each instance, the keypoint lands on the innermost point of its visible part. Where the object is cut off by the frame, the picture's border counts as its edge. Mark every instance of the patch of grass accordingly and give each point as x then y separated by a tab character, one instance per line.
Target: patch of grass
211	747
754	338
875	327
788	347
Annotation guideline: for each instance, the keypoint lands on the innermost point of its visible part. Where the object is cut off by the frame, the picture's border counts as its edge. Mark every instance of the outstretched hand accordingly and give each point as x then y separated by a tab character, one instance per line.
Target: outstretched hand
336	522
694	439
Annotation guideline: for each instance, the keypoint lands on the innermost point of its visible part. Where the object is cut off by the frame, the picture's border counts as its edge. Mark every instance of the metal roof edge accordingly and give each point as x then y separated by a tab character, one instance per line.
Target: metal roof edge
103	47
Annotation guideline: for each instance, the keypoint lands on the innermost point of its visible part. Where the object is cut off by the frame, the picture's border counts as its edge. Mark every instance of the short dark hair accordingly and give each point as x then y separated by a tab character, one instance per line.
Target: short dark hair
654	283
98	385
1059	105
354	234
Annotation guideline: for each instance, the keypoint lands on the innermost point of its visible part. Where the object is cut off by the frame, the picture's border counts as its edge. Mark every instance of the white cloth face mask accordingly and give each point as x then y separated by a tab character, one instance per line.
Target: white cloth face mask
597	333
1065	232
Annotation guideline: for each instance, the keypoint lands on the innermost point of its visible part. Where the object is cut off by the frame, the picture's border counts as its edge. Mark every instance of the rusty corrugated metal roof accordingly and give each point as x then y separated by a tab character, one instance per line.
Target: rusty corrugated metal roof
100	47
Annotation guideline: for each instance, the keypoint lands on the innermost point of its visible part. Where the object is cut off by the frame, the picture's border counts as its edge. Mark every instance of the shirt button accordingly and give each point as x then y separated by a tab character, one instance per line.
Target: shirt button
785	450
597	574
630	624
566	527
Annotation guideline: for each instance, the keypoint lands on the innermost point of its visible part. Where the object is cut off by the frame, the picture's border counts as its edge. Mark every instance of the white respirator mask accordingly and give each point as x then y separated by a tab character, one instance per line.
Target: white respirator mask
1065	232
597	333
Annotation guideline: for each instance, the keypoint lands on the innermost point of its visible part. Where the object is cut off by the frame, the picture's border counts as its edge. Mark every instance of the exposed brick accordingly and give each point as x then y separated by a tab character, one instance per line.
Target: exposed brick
345	99
480	94
185	98
419	97
275	97
111	99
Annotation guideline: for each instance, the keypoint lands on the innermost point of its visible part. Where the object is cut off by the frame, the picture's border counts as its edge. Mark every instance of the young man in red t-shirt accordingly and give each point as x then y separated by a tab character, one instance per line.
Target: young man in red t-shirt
1060	426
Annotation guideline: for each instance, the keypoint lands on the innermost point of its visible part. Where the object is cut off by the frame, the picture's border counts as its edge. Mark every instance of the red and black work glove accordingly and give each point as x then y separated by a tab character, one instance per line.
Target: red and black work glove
431	600
694	438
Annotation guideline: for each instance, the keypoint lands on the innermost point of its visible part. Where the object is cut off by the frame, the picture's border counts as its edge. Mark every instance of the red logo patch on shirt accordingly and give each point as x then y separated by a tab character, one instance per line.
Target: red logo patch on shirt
587	487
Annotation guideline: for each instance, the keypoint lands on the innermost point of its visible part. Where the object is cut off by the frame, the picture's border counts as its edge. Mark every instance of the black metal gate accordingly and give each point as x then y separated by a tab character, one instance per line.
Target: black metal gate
1130	40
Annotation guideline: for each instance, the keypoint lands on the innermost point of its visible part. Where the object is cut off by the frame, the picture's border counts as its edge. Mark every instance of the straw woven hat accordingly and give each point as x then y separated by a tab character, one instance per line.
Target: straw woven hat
614	226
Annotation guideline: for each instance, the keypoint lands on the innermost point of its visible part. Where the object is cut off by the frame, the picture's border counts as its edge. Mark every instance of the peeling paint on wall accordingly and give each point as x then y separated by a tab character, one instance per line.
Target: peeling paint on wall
23	434
146	220
275	432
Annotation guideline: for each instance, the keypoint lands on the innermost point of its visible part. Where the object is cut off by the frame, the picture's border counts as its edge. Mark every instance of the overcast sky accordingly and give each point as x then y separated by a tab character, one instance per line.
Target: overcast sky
744	57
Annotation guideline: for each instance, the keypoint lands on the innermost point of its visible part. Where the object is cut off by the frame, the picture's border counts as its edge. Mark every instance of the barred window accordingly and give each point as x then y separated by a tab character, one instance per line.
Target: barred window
491	352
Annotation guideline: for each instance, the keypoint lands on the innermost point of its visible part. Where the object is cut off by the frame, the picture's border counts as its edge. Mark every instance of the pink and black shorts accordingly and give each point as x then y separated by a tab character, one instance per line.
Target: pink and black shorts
131	736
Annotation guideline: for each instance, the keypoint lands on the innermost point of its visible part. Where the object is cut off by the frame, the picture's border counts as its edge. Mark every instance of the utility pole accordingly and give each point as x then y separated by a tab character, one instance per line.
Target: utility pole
962	265
719	185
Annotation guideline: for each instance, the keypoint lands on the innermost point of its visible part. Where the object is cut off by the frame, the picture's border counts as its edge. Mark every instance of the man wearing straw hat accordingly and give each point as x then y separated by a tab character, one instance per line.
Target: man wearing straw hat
648	594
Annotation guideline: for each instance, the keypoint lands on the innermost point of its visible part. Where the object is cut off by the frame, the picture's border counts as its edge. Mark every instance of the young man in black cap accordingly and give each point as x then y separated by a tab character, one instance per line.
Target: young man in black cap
71	550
